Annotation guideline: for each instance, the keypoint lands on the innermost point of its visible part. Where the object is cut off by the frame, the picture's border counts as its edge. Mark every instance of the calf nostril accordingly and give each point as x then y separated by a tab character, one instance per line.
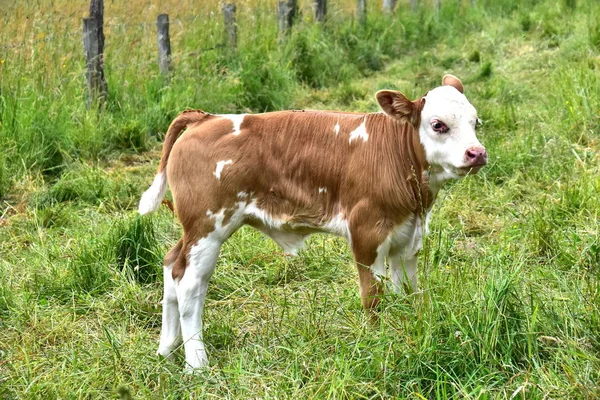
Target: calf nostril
476	155
473	154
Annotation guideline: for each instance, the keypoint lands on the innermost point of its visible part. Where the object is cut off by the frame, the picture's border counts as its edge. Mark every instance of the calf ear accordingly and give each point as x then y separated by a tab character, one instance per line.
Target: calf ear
451	80
398	106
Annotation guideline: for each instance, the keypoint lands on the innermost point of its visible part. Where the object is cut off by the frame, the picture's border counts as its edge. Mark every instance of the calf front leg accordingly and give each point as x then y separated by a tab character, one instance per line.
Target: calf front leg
403	272
369	252
370	287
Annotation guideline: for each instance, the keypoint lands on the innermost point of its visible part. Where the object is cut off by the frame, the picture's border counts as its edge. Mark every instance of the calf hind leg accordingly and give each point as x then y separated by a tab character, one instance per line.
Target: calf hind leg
191	289
170	334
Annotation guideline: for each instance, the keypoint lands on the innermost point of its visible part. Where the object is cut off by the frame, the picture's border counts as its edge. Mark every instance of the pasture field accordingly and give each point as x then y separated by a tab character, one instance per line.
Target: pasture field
510	274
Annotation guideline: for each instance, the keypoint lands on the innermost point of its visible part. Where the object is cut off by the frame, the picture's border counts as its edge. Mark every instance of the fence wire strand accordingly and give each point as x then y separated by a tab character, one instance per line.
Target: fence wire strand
53	37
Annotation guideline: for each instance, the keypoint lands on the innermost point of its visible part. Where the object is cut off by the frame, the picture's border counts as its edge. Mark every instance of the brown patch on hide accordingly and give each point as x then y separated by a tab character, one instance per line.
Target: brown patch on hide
173	253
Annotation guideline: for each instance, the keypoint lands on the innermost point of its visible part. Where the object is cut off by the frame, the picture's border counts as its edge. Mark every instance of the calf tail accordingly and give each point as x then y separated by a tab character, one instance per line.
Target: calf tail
152	198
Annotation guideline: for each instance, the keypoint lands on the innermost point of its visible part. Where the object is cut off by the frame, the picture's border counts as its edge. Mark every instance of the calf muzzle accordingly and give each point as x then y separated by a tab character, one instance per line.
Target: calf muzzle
476	157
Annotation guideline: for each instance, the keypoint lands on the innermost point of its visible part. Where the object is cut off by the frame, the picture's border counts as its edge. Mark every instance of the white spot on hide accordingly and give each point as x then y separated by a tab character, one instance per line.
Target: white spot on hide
236	120
266	219
289	241
360	132
322	190
220	166
336	128
338	225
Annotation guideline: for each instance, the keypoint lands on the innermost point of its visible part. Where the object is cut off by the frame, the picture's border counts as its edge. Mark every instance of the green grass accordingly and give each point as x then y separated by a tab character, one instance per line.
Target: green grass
510	273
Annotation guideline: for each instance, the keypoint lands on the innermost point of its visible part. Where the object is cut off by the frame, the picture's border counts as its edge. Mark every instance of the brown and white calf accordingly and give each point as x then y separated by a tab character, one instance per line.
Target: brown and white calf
371	178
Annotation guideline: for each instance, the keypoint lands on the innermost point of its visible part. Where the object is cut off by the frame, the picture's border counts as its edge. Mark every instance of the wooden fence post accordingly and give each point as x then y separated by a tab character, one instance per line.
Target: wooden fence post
229	10
97	88
389	6
97	11
287	12
164	44
320	10
362	11
437	8
93	42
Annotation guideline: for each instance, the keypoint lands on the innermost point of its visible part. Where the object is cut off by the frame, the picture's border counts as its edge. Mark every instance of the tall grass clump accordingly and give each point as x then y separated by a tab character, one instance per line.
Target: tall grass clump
318	60
90	271
494	334
136	249
129	252
32	131
79	183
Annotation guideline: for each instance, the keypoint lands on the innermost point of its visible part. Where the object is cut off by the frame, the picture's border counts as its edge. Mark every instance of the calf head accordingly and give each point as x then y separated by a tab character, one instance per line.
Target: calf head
447	124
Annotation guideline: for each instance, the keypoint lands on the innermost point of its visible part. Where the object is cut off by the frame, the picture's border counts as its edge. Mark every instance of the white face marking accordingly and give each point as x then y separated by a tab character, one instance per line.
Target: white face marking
360	132
446	151
236	120
220	166
336	128
322	190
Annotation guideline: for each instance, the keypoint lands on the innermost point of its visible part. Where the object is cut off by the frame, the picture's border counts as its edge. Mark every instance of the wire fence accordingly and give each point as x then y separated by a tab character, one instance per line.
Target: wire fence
209	15
92	36
109	25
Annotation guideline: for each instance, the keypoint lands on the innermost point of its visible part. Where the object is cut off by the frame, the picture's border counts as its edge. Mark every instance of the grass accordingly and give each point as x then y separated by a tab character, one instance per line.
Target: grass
510	271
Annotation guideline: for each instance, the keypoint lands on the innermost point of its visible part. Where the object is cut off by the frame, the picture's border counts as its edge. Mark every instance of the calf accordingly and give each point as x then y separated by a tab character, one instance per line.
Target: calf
371	178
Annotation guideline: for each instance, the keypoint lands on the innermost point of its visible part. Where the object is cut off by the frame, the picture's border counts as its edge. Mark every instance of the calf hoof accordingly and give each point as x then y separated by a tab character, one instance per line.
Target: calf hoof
167	354
197	362
195	370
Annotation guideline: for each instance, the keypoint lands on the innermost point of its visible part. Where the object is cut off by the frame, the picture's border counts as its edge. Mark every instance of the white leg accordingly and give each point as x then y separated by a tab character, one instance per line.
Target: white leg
191	292
170	333
404	272
378	266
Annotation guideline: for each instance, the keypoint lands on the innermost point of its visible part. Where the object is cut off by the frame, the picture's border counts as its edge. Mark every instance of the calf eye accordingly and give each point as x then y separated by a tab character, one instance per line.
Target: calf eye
439	126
